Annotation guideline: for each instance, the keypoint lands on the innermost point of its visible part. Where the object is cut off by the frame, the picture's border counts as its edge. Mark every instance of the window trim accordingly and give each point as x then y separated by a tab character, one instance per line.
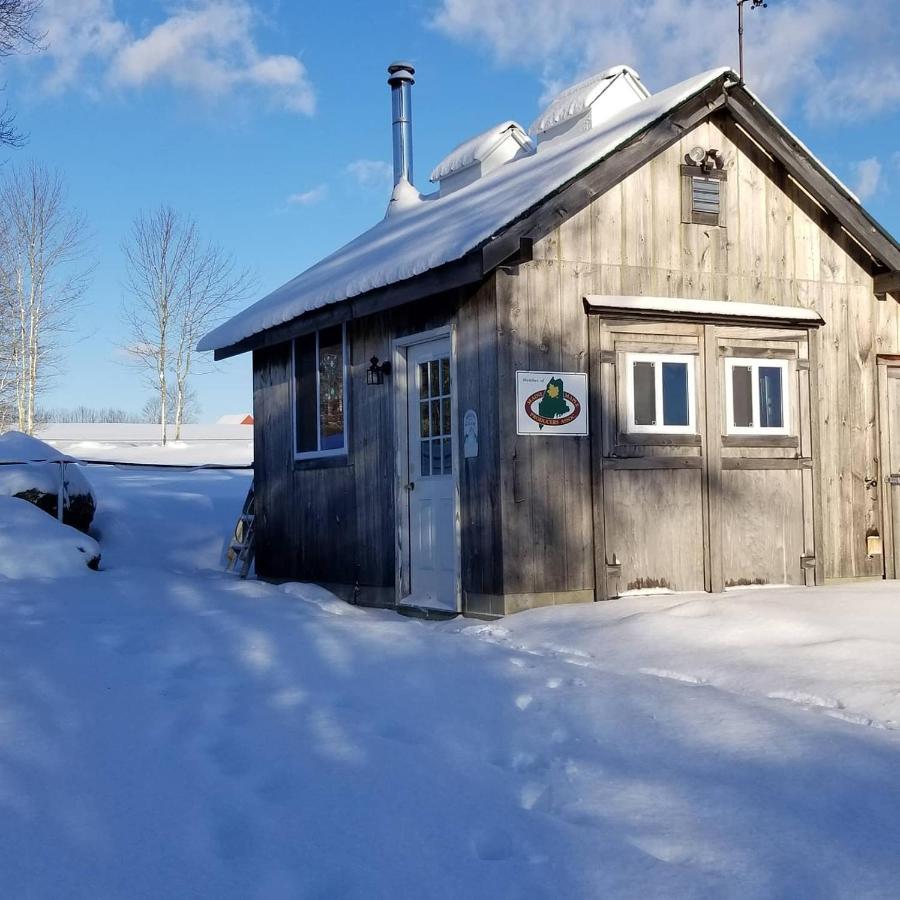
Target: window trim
320	454
659	359
755	363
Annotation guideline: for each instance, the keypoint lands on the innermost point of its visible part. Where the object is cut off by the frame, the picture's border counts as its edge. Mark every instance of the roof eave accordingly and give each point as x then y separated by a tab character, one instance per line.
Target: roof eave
777	140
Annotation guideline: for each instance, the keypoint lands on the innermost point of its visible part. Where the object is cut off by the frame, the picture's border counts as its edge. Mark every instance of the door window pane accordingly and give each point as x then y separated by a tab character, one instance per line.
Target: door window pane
742	396
435	424
448	456
644	386
675	393
435	385
771	407
435	418
435	456
306	418
331	388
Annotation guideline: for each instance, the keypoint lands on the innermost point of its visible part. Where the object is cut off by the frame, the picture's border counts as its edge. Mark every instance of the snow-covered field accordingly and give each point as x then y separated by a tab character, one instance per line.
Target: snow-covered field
169	731
230	445
174	453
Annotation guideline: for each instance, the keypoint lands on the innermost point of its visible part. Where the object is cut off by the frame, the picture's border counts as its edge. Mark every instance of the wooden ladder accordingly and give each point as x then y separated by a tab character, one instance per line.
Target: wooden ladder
242	548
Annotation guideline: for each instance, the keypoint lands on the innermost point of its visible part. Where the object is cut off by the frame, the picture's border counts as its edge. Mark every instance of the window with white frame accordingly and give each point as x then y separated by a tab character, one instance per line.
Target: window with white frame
320	393
756	396
660	393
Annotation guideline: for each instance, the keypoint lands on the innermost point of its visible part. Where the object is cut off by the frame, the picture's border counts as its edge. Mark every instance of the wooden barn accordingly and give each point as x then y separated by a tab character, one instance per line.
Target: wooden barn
649	344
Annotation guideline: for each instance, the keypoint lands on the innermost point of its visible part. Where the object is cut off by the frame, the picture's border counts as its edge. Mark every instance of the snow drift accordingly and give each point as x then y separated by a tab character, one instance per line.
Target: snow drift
32	545
29	469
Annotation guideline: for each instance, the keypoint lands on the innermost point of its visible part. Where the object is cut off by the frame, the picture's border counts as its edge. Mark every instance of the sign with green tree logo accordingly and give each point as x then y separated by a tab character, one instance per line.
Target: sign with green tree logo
551	403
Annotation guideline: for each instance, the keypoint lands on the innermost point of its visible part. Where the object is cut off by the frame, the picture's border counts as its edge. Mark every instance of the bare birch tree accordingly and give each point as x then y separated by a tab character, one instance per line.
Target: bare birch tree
43	277
7	361
178	286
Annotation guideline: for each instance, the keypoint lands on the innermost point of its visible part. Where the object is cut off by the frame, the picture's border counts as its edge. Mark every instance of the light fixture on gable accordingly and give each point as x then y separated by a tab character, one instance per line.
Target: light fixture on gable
705	159
696	155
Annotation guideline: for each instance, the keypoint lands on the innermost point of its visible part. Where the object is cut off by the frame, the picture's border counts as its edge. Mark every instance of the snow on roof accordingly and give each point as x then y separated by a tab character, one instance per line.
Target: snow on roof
479	147
573	101
441	229
724	309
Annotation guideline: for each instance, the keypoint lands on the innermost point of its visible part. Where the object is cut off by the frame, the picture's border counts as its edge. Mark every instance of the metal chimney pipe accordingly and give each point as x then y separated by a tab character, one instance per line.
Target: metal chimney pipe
400	78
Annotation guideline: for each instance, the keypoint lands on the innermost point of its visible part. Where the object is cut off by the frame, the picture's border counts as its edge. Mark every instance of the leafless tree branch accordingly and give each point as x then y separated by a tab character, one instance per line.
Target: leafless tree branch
177	287
43	278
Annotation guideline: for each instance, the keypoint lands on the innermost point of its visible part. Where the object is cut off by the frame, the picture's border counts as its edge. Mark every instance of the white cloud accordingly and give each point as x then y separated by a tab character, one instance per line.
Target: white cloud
310	197
823	55
370	172
205	46
76	33
868	178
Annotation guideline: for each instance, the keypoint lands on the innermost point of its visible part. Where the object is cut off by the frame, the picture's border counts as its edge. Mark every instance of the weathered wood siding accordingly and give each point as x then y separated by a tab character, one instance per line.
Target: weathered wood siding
332	521
544	481
778	246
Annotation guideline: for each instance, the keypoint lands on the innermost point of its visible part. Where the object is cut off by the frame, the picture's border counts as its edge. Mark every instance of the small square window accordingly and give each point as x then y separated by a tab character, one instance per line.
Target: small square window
756	397
660	393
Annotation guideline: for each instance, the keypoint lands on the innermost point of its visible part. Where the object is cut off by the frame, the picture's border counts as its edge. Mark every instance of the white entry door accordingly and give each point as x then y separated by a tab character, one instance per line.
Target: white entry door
431	488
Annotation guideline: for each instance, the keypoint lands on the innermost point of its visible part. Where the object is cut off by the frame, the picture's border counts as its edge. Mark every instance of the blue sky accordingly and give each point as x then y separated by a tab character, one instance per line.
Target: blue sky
270	122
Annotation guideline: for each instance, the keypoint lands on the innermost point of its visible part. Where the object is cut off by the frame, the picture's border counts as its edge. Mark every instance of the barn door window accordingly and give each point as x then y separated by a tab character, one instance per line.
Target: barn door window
320	393
660	393
756	396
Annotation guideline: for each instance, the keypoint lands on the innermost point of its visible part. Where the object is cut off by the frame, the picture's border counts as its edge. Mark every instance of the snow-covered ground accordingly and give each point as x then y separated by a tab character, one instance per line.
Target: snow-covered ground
230	445
174	453
170	731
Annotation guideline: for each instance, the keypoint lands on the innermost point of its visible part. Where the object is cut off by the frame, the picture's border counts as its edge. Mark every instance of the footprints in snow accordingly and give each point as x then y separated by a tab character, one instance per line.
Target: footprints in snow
831	707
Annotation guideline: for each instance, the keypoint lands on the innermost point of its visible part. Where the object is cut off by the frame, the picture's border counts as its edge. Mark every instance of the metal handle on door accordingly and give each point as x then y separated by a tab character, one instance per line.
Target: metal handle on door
410	486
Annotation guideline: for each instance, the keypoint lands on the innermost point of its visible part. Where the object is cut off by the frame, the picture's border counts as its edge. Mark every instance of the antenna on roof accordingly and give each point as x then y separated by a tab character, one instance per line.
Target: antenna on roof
754	4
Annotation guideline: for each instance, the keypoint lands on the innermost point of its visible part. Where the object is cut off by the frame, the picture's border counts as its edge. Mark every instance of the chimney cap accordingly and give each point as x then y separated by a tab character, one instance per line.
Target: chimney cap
401	71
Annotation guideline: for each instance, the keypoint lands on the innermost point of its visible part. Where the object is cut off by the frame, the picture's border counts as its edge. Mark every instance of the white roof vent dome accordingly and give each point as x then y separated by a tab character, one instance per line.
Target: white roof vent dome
583	106
482	154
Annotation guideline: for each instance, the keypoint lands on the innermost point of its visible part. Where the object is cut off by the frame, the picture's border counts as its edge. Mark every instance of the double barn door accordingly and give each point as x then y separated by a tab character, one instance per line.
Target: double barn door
705	456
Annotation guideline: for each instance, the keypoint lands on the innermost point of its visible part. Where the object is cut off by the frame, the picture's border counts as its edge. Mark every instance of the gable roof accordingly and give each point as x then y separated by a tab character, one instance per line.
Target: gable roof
479	226
438	230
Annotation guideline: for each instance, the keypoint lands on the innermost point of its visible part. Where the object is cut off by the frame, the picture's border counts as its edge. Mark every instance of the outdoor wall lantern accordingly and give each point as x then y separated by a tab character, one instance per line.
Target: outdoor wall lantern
376	371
